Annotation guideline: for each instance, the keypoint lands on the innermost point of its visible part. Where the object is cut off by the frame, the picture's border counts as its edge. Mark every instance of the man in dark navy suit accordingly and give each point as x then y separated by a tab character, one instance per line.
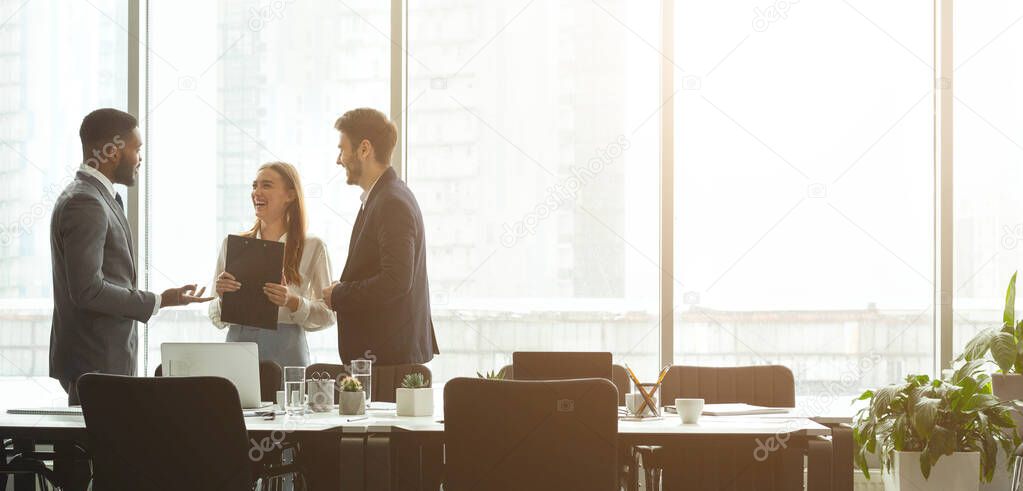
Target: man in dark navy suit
383	298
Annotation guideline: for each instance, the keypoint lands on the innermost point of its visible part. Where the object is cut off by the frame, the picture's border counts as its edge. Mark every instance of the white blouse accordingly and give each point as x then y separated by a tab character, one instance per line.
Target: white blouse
312	313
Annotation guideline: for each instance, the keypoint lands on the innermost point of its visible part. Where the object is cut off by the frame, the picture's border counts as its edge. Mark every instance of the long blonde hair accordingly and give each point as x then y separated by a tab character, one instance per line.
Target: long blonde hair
294	220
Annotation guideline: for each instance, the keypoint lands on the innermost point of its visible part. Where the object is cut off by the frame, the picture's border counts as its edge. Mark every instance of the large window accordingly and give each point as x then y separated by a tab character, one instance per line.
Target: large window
988	148
531	152
803	136
252	82
58	61
803	193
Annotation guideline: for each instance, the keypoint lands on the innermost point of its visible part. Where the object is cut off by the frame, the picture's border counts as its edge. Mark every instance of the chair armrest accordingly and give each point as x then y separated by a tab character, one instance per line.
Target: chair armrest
819	464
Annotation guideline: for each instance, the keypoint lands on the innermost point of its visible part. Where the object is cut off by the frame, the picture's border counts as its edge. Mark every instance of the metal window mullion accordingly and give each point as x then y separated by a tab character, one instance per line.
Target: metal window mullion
399	81
667	181
943	202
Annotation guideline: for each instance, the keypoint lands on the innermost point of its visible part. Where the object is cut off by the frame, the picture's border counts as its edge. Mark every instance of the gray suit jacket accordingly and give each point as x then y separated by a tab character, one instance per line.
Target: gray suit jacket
95	303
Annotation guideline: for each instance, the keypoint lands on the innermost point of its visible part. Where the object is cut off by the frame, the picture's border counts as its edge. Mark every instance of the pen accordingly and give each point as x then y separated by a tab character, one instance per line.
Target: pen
357	419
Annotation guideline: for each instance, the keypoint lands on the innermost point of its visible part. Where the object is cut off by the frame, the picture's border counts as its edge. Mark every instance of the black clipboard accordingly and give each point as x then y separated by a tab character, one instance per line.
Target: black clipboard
253	262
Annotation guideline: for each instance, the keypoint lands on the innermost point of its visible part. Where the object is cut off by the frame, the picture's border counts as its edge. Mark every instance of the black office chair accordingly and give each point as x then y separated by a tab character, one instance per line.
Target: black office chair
271	379
723	464
561	365
513	435
619	378
172	433
386	378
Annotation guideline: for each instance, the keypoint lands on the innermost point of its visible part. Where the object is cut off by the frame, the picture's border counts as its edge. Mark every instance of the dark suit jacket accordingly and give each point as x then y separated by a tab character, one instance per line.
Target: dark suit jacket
95	303
383	299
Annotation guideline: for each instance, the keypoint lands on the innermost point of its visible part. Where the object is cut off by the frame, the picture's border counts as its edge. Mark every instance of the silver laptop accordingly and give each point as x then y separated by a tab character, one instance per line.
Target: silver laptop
237	362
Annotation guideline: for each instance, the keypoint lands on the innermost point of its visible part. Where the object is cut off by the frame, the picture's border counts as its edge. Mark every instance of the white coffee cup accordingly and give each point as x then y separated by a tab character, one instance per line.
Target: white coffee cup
689	410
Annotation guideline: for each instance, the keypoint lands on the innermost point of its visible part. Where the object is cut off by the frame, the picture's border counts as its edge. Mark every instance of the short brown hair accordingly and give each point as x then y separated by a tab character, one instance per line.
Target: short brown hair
366	123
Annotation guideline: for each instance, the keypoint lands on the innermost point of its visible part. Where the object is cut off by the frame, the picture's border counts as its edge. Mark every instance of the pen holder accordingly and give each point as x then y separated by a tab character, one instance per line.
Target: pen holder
321	395
634	400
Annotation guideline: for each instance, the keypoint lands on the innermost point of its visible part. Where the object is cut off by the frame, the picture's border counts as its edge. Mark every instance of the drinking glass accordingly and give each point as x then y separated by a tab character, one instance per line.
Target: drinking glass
294	390
362	370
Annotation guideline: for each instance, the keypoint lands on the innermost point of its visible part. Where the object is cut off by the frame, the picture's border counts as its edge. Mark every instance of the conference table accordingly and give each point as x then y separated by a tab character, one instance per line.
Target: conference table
383	451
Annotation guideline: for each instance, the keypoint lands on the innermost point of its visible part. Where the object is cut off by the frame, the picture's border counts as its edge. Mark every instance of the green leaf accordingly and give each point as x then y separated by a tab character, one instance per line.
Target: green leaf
979	402
942	442
977	347
883	399
925	464
867	394
925	415
1003	350
970	370
1009	316
988	456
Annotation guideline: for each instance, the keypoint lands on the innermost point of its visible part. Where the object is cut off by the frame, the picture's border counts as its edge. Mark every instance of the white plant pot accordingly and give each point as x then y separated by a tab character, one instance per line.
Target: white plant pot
1008	388
351	403
414	402
957	472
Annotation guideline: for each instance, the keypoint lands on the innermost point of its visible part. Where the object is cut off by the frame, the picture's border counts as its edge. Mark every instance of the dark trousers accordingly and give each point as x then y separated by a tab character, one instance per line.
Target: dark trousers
71	464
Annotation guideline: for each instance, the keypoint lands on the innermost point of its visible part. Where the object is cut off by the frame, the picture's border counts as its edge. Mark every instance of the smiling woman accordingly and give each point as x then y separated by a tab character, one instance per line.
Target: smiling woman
280	216
231	95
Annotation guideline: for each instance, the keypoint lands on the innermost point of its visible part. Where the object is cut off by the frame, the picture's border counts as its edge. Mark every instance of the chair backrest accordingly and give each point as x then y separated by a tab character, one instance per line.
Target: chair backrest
386	378
511	435
165	433
561	365
271	379
618	377
760	385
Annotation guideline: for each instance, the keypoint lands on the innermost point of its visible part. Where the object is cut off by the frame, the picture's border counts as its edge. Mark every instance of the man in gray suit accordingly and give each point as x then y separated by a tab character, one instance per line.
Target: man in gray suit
95	300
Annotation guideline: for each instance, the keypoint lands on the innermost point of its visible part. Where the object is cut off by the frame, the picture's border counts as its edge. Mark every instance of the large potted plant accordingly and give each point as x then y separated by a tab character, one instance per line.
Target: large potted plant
935	434
415	396
1005	344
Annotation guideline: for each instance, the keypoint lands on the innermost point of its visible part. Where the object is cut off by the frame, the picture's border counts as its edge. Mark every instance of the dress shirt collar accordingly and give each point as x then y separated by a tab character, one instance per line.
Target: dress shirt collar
284	238
92	171
365	194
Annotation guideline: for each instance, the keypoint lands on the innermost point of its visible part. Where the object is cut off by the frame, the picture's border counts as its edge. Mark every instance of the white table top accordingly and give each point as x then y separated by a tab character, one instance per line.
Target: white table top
385	420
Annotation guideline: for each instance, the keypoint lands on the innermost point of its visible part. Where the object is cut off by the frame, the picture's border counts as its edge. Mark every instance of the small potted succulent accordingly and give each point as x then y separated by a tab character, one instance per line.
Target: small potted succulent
415	396
352	399
935	434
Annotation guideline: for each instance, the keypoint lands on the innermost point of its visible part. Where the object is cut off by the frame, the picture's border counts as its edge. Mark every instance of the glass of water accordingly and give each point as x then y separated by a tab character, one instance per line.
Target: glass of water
362	370
294	390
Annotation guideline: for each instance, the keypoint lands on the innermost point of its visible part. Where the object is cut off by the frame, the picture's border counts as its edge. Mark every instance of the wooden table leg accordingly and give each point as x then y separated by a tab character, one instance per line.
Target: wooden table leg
352	461
378	462
406	459
320	458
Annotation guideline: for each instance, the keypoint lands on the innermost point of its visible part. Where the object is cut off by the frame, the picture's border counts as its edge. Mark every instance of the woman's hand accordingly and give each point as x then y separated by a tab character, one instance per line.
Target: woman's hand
226	283
280	296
